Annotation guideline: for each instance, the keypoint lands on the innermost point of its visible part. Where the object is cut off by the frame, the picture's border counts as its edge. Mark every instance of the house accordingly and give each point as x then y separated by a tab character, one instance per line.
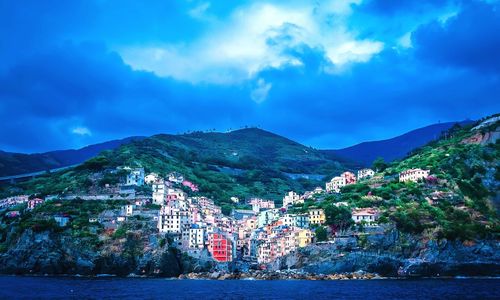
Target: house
189	184
34	203
240	214
317	216
235	199
196	237
220	247
340	181
151	178
292	198
159	192
175	177
135	177
318	190
258	204
62	220
267	217
365	173
295	220
303	237
367	215
128	209
172	219
413	175
350	178
335	184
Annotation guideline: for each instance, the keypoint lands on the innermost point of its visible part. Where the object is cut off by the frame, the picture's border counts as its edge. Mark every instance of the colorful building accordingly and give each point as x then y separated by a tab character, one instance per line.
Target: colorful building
220	247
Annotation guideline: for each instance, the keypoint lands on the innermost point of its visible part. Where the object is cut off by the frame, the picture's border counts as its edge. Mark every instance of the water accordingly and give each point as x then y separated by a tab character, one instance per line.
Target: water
134	288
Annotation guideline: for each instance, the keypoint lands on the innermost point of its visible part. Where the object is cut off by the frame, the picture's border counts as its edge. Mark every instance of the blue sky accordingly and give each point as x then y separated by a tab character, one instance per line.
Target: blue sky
325	73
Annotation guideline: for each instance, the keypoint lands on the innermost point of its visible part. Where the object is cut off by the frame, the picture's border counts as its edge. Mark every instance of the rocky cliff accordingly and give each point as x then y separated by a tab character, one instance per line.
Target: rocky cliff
393	254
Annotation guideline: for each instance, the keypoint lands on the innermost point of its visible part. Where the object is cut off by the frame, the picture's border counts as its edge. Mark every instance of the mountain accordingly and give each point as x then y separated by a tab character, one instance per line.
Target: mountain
394	148
242	163
18	163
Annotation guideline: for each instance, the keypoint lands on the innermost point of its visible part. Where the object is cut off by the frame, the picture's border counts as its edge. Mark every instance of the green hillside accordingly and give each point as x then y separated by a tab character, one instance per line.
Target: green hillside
242	163
460	200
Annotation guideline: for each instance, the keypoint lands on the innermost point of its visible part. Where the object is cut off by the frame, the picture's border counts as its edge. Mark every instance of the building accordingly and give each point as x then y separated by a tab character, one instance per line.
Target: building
220	247
267	217
34	203
292	198
366	215
335	184
240	214
365	173
196	237
172	219
303	237
258	204
159	192
135	177
350	178
413	175
151	178
317	216
61	220
340	181
175	177
128	210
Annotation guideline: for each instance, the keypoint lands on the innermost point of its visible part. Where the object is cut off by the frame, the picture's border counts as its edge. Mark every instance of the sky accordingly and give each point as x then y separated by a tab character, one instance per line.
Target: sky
328	74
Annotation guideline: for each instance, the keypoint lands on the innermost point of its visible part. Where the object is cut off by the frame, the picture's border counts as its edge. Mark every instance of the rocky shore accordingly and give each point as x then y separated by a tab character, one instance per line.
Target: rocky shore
279	275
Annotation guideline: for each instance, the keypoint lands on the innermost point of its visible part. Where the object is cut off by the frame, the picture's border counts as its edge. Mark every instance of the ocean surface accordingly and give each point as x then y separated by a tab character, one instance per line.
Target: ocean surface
12	287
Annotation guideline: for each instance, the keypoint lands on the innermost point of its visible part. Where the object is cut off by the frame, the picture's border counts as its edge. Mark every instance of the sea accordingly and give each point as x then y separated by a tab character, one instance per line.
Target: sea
15	287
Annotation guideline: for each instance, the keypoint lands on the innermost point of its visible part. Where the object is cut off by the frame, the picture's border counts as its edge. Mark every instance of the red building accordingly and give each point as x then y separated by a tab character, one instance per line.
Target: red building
220	247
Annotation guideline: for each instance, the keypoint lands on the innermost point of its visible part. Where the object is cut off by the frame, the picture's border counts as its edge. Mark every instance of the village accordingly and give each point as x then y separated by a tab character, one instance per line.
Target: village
195	224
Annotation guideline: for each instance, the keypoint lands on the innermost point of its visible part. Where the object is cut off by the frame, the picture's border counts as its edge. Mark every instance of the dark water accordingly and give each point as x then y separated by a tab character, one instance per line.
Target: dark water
119	288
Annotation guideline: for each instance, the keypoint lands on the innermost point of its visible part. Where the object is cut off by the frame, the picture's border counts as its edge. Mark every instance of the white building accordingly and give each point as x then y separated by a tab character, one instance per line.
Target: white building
292	198
172	220
367	215
196	237
413	175
151	178
159	192
365	173
335	184
129	210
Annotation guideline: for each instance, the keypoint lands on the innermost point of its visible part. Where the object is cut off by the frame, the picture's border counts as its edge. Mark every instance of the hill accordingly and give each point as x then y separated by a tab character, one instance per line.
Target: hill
394	148
18	163
241	163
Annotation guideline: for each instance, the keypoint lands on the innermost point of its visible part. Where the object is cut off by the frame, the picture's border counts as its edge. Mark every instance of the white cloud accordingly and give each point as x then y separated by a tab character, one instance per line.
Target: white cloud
257	37
82	131
260	92
200	12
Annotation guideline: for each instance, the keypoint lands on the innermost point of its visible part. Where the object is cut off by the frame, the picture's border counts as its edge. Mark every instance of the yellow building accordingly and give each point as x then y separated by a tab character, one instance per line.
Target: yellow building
303	237
317	216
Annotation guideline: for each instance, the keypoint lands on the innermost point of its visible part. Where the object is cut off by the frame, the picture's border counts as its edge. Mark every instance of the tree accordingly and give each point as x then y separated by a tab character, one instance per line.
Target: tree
321	234
379	164
338	218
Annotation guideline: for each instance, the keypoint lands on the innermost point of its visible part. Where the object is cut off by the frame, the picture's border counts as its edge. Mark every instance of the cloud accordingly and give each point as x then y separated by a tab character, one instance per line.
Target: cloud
260	92
83	131
470	39
254	38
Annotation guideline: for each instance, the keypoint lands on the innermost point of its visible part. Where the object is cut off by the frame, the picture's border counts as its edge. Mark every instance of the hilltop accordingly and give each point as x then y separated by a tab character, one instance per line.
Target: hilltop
394	148
12	163
241	163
